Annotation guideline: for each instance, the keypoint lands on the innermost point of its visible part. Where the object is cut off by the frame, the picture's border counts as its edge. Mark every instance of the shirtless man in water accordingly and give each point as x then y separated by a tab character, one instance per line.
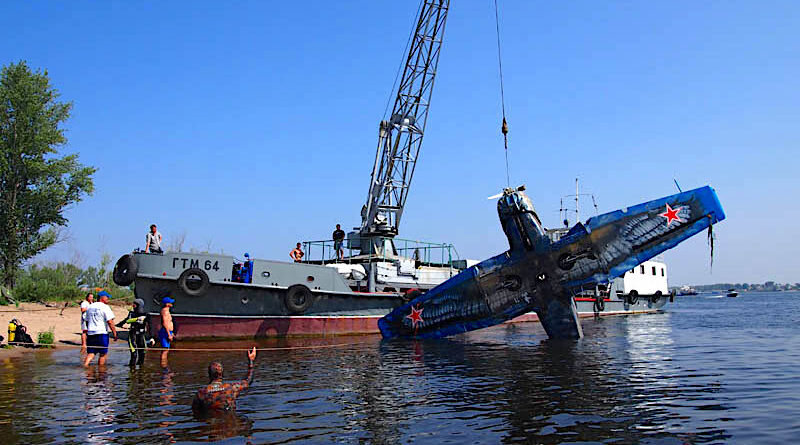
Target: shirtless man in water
218	397
166	334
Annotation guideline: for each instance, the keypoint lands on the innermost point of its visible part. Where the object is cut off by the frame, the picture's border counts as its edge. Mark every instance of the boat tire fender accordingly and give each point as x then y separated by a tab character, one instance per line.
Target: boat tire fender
633	297
193	291
599	304
655	297
298	299
125	270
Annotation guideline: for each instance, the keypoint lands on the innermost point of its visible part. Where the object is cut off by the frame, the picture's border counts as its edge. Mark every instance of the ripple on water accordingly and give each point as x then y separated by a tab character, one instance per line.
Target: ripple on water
698	373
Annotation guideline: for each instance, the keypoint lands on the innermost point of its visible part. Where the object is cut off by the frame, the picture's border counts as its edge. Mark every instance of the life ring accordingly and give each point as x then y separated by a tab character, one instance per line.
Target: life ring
599	304
655	297
298	299
125	270
187	283
633	297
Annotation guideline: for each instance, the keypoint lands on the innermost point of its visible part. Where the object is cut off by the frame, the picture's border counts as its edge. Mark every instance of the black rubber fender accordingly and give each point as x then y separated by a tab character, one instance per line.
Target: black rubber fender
633	297
183	284
125	270
298	299
656	297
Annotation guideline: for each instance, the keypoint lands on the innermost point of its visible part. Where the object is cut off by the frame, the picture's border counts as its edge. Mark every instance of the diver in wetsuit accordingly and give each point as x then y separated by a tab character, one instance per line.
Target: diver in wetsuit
139	321
217	397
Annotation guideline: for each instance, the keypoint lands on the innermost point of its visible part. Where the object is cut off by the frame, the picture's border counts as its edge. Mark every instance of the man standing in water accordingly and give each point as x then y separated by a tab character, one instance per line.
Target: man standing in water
139	322
99	318
218	397
84	306
166	334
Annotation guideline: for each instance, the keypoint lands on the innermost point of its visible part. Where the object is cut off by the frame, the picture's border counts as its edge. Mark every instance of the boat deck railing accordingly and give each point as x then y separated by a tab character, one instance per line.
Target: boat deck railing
422	252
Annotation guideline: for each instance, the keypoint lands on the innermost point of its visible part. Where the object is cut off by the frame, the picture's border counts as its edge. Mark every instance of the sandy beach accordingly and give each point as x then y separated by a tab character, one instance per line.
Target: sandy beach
65	322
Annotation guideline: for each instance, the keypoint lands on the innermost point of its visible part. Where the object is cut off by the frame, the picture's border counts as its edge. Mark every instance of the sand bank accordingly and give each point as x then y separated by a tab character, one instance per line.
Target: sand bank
65	322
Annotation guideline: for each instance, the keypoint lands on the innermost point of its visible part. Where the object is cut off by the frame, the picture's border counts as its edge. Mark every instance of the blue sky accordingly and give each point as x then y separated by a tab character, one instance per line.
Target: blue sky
251	125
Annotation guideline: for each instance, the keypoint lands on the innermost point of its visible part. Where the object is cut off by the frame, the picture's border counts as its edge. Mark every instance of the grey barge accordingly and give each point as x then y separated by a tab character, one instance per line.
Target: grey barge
217	296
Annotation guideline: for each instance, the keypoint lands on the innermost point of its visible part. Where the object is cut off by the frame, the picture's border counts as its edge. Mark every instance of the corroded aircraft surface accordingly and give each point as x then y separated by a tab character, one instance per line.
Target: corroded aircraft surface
541	275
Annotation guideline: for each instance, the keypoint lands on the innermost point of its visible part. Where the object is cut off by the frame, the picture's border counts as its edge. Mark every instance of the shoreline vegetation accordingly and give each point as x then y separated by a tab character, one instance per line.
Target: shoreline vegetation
63	282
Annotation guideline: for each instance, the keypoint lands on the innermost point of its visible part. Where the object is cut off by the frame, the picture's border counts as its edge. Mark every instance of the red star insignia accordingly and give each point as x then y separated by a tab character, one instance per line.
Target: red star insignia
415	316
672	214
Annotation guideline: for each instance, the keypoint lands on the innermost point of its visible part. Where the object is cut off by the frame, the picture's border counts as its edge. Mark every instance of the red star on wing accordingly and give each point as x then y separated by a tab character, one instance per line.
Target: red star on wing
415	316
672	214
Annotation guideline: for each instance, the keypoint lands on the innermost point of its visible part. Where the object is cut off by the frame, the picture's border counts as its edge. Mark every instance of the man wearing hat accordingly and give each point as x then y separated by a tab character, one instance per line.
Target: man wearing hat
166	334
99	319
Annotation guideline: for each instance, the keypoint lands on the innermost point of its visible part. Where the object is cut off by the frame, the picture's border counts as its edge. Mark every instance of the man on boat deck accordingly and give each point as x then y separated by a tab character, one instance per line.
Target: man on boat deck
217	396
153	241
297	254
338	241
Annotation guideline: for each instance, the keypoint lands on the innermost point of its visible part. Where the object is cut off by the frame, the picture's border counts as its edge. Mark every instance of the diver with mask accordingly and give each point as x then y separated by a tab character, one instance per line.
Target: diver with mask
139	330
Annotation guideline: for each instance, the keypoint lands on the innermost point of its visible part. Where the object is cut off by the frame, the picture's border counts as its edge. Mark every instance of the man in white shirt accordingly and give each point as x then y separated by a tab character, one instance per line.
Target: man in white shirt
85	305
99	319
153	241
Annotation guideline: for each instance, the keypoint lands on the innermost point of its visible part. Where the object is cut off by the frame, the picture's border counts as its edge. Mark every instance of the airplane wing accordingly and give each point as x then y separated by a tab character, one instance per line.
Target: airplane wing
459	304
541	276
608	245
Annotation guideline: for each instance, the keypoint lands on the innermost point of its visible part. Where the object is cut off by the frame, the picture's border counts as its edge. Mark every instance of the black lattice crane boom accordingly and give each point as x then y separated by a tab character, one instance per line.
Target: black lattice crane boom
400	137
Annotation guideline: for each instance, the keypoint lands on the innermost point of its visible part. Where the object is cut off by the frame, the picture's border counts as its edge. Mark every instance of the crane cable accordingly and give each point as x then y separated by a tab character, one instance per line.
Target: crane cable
504	127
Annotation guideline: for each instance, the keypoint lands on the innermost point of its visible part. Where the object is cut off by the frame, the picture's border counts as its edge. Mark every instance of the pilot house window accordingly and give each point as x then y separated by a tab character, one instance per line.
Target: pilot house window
662	271
641	269
654	270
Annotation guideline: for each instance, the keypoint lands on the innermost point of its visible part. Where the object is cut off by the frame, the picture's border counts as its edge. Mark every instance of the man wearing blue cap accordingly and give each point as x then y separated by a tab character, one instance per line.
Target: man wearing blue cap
99	318
166	334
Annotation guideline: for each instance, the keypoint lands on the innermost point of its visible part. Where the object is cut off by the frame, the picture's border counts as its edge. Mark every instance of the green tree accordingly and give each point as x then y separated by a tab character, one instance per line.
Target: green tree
36	184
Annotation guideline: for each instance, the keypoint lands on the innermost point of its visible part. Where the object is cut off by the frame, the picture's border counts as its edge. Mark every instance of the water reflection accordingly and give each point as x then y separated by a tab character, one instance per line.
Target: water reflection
98	404
635	379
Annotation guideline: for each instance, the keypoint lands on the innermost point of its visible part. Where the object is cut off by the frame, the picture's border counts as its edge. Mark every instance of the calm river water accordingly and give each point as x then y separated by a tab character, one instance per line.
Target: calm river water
708	370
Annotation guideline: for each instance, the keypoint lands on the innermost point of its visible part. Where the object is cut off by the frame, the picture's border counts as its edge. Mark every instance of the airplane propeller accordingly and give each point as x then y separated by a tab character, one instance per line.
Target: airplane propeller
507	191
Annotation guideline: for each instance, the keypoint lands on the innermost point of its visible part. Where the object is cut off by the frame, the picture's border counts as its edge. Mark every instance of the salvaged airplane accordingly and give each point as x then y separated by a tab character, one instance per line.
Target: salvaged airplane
542	274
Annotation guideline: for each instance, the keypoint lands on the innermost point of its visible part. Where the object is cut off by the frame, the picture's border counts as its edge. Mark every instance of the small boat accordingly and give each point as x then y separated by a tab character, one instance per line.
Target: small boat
732	293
